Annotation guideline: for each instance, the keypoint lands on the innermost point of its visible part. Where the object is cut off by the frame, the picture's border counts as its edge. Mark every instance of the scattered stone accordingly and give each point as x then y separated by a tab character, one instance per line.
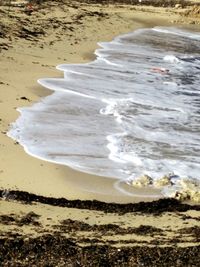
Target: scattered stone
177	6
24	98
142	181
163	181
185	189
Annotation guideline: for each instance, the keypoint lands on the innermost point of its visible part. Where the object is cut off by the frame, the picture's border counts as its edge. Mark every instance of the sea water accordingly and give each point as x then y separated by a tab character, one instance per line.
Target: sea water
131	114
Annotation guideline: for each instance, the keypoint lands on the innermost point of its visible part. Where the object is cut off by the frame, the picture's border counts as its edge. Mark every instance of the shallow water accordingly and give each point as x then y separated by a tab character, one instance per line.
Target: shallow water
135	110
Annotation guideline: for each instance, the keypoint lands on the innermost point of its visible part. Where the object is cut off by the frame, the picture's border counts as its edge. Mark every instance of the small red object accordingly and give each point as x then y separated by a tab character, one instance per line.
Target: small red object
160	70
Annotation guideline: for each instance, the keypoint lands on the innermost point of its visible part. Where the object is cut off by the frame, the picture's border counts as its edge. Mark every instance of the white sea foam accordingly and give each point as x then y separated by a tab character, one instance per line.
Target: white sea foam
132	112
171	59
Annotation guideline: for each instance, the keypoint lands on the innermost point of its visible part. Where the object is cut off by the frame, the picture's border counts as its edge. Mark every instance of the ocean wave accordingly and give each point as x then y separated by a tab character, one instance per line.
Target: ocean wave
133	112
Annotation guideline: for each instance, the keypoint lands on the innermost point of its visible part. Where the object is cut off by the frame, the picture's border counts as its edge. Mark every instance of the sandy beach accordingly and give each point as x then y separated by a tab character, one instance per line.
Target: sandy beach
30	50
32	42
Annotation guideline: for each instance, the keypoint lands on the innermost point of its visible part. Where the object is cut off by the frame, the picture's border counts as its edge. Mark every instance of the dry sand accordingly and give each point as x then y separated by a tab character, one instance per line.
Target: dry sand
31	46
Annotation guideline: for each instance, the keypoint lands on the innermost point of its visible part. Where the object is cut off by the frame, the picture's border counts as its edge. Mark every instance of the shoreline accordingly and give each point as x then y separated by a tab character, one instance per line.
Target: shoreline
37	176
45	217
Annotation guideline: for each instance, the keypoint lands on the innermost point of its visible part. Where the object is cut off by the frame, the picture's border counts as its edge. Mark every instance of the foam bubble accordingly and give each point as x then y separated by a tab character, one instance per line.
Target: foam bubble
171	59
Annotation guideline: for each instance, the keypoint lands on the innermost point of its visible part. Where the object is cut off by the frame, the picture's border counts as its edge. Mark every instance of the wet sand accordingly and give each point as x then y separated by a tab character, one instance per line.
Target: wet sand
35	225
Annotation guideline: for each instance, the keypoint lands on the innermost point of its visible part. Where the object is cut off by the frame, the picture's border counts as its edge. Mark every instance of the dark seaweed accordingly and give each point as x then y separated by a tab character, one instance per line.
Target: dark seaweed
155	207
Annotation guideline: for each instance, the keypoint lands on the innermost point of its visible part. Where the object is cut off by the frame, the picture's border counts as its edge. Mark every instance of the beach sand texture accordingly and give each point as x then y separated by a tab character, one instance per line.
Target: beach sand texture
72	38
32	43
31	47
